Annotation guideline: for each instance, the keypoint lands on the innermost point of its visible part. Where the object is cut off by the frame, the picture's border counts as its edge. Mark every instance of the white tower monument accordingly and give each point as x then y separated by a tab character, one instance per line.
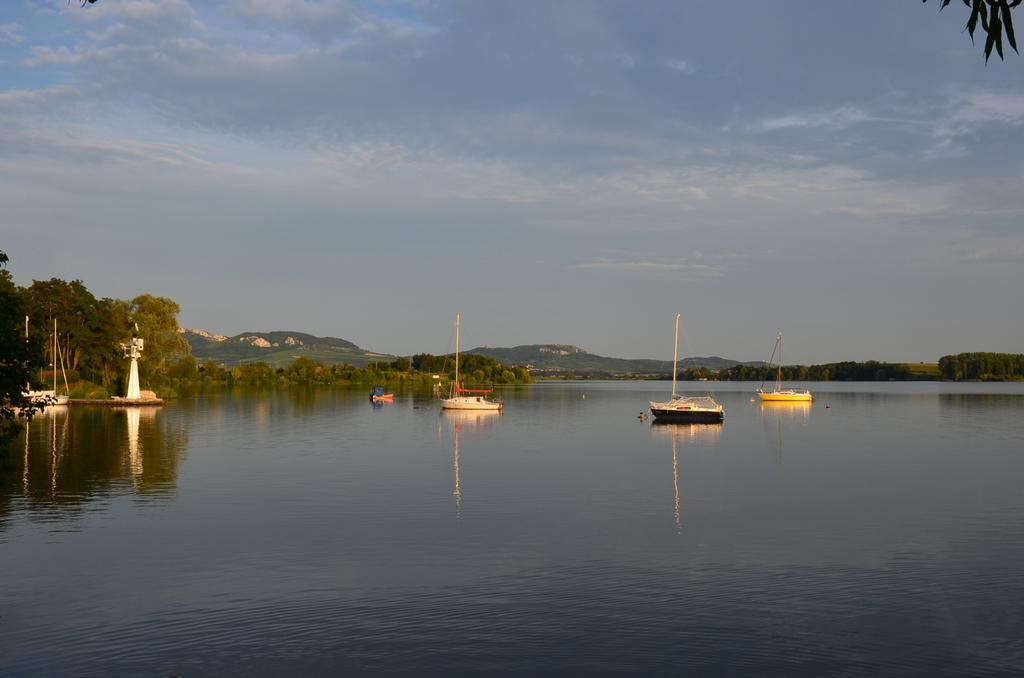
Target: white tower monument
133	351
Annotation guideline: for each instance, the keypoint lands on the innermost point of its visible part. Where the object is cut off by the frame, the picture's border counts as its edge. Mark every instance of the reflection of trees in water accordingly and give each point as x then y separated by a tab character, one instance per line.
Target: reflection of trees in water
69	456
1003	401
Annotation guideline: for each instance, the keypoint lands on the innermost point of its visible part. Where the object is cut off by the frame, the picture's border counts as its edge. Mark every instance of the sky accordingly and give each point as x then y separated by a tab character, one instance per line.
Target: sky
848	173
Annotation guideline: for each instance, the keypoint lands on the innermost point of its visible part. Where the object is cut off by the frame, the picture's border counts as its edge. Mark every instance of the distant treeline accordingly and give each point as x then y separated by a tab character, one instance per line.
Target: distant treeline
963	366
983	366
842	371
474	370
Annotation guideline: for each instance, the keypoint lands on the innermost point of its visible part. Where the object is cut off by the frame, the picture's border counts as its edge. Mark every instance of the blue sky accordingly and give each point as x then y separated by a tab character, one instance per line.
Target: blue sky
572	172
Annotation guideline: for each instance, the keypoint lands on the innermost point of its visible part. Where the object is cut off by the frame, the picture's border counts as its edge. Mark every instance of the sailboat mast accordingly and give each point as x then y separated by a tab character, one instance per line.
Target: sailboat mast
456	352
28	382
54	354
675	357
778	378
60	354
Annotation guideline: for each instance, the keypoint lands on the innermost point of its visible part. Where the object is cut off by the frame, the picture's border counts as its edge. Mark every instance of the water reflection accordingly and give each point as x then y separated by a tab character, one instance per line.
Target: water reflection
68	457
779	411
459	419
691	432
796	410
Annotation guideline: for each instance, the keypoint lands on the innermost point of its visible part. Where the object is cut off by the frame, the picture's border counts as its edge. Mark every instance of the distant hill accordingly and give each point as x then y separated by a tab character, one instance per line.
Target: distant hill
277	349
565	359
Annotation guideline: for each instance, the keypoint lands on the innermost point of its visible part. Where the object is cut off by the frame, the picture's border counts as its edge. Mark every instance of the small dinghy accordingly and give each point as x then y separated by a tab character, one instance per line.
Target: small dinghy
377	395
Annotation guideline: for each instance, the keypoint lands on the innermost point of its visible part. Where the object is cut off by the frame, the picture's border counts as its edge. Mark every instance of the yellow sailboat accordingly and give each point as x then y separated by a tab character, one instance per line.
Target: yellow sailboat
779	394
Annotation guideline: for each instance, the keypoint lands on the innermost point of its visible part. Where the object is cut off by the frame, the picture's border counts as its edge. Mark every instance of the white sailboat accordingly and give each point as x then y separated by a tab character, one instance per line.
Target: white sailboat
466	398
779	394
50	397
686	408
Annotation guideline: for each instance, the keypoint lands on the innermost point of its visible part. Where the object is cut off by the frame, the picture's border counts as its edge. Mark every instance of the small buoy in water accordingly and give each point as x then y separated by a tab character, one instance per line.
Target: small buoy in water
751	400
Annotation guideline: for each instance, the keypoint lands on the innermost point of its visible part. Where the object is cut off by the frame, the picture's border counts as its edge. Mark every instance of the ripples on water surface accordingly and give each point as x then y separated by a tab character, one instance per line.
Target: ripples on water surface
310	533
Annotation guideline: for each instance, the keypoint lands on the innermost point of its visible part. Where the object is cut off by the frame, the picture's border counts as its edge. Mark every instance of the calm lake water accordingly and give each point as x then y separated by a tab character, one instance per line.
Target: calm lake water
879	531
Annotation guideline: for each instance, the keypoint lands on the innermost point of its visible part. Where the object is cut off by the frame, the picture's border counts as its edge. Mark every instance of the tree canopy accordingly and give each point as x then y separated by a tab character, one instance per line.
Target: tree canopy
19	357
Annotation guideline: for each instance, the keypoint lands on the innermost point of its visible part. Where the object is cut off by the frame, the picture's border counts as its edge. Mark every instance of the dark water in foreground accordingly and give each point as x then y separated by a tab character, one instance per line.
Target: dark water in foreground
309	533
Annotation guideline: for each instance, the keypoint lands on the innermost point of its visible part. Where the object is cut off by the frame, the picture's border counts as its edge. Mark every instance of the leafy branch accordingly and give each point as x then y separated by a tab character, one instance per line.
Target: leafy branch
995	17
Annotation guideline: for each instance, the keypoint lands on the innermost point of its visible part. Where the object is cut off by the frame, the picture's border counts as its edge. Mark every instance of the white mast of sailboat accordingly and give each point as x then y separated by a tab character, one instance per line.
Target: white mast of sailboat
675	357
778	377
455	388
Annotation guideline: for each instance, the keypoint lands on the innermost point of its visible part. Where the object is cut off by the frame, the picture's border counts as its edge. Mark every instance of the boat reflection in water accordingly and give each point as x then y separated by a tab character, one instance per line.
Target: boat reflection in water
704	433
782	409
468	419
779	410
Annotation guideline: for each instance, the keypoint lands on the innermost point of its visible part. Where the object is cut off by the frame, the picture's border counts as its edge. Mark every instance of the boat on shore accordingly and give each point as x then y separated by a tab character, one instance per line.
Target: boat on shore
49	397
684	409
780	394
466	398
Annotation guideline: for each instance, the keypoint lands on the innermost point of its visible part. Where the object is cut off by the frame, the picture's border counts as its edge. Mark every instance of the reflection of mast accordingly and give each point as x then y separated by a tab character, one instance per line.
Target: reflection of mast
696	432
675	480
474	419
52	422
779	410
24	473
457	492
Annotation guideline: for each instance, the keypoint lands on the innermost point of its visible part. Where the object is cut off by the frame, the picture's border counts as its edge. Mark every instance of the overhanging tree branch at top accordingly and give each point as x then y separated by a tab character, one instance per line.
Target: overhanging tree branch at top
995	17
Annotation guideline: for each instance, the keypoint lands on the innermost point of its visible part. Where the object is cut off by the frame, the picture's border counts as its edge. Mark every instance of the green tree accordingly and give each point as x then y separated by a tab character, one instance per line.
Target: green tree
157	320
19	358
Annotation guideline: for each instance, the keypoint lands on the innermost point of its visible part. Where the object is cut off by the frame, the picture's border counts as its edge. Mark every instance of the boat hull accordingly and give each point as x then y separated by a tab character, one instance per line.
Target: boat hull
785	397
688	416
469	403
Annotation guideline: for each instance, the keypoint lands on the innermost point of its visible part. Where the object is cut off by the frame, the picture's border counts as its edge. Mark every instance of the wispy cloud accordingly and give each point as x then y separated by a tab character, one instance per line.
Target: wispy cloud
986	106
325	21
686	268
154	13
684	66
839	118
11	33
1009	251
35	99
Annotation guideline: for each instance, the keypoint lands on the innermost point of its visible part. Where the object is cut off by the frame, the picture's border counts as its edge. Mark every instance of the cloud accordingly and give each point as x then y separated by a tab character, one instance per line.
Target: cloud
35	99
839	118
682	66
1009	251
325	21
985	106
11	33
61	56
630	266
157	14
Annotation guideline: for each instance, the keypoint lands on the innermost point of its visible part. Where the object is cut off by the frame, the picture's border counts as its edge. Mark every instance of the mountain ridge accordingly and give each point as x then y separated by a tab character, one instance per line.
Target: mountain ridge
571	359
279	348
